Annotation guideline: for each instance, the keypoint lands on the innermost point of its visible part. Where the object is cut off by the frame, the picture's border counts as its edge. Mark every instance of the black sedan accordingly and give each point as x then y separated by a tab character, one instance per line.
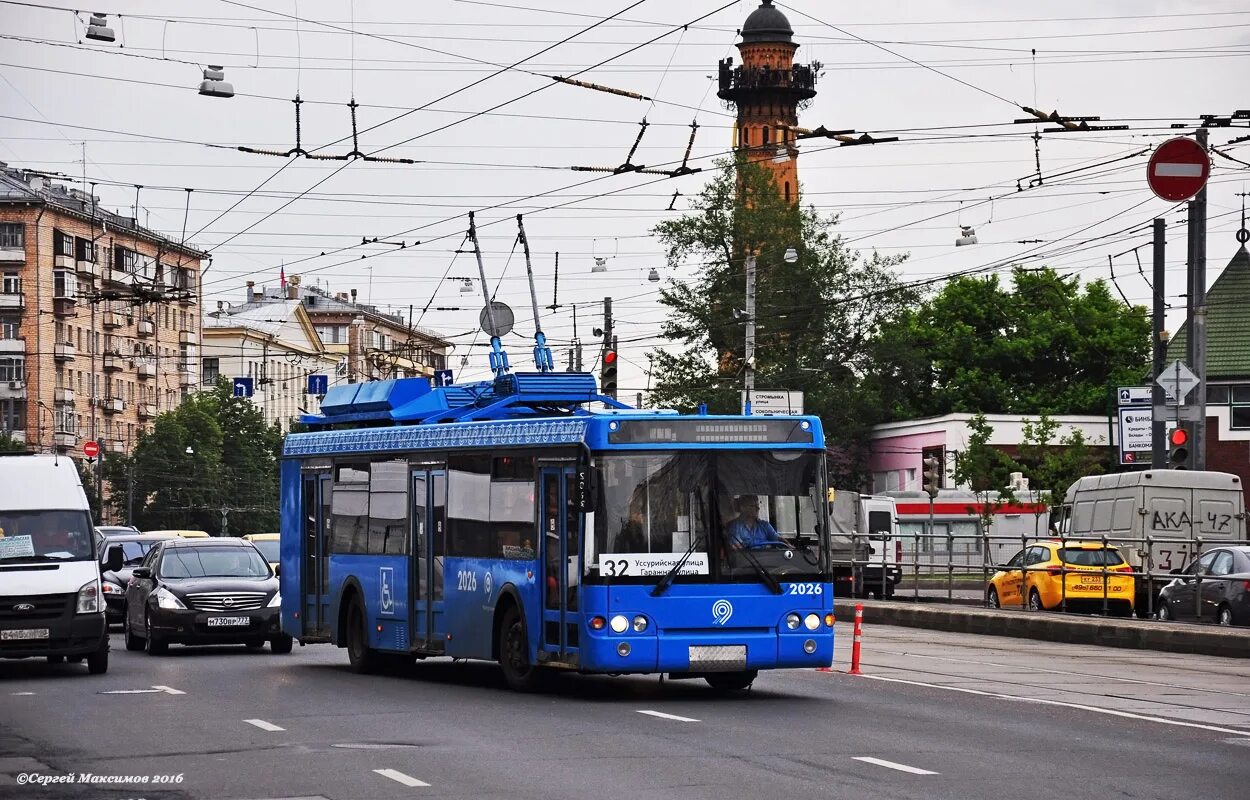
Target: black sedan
203	591
133	546
1215	588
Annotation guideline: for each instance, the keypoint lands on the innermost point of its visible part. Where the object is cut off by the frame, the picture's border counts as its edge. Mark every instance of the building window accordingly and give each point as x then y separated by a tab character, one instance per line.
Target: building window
1241	393
64	283
12	235
12	415
12	283
787	191
8	328
1217	395
1241	417
767	135
84	250
12	368
332	334
62	244
211	369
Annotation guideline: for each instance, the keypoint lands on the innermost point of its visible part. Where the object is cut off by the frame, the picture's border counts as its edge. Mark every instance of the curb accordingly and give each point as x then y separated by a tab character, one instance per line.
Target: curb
1172	637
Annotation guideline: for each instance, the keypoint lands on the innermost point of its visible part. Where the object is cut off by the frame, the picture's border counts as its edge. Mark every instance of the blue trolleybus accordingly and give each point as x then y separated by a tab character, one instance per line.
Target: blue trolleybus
506	520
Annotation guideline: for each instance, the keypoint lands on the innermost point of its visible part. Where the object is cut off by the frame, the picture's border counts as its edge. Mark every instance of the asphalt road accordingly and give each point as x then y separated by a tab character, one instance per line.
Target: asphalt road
936	715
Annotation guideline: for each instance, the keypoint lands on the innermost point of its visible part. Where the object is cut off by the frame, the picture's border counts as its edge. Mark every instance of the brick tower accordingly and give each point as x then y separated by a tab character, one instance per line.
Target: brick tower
768	90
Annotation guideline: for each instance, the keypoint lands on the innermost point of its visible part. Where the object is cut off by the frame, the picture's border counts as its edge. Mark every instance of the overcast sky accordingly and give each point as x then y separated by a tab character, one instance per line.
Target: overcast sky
134	103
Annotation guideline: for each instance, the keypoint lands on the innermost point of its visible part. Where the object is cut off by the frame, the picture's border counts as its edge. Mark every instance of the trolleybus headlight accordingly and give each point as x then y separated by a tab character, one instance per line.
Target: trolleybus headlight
623	649
619	624
809	646
793	620
597	623
640	623
829	620
811	622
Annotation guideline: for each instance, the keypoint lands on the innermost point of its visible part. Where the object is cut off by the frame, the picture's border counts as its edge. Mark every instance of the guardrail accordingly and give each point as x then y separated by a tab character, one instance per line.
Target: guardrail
978	557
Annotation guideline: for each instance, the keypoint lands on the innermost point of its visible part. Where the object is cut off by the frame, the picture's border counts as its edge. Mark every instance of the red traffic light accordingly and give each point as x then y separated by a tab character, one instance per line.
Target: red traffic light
609	358
1178	437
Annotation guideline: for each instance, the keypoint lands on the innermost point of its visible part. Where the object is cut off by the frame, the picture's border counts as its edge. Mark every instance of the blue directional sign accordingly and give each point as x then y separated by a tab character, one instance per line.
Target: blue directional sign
442	377
243	387
318	384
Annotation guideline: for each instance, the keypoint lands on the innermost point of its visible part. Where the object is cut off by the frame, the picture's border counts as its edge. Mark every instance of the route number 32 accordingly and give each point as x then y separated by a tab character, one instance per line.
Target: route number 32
466	580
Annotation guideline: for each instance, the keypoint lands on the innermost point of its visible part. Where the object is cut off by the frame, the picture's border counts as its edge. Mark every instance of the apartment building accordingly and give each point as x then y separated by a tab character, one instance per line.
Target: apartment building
99	318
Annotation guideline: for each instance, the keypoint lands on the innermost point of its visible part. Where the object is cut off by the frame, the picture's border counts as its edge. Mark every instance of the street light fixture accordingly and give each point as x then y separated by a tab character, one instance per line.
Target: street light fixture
214	83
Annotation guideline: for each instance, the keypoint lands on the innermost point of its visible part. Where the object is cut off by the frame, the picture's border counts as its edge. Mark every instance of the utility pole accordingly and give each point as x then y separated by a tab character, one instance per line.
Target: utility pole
607	323
749	366
1196	306
1158	398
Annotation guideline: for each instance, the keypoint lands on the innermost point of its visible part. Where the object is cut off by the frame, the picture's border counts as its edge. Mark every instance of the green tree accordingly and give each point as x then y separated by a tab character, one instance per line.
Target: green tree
987	470
1044	345
10	445
1053	467
816	317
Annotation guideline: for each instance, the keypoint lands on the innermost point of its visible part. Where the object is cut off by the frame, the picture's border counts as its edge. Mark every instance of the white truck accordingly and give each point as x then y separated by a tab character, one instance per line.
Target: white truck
866	547
50	596
1160	519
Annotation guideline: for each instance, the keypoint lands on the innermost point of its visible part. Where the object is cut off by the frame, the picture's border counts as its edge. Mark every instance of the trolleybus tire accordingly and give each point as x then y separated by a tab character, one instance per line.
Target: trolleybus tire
514	660
281	644
731	681
363	659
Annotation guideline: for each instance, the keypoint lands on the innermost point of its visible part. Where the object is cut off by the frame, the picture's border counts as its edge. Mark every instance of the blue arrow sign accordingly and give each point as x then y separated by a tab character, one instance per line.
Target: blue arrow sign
243	387
318	384
442	377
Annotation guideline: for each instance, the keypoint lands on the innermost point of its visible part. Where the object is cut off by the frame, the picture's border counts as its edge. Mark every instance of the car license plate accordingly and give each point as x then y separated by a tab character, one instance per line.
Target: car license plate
25	633
1091	579
228	622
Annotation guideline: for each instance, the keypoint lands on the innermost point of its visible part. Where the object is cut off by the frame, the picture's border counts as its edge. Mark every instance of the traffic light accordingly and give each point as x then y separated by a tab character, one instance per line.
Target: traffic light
607	372
1179	442
932	475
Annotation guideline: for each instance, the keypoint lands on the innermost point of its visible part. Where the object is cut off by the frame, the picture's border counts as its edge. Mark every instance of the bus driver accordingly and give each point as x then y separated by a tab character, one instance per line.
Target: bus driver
747	530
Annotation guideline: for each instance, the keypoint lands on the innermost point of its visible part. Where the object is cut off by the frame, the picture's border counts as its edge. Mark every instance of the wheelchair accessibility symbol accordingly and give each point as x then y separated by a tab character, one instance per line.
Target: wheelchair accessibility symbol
386	585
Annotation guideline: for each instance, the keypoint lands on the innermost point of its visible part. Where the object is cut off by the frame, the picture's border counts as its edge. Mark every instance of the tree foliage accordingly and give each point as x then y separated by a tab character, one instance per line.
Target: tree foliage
1054	465
213	452
1044	345
10	445
816	318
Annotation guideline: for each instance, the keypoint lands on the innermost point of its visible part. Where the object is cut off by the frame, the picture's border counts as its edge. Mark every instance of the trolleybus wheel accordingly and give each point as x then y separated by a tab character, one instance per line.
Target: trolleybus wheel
731	681
514	659
363	658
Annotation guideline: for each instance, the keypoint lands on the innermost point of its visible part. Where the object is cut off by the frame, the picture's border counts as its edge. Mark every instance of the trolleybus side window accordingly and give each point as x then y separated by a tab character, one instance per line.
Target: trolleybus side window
469	531
350	508
512	507
388	507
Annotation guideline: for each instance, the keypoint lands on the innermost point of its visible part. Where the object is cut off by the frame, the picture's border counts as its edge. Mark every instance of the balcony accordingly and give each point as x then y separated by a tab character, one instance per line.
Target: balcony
88	269
63	262
117	446
188	337
113	405
13	255
65	306
116	275
63	395
12	390
112	362
12	347
146	327
185	378
112	320
147	371
64	351
10	301
147	410
65	440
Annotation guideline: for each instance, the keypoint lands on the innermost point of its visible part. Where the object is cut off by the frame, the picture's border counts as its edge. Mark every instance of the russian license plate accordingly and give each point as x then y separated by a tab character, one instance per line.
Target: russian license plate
1092	579
25	633
228	622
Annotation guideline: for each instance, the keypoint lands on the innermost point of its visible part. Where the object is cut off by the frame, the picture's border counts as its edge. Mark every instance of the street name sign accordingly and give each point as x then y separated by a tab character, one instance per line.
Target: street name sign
774	402
1133	395
1178	169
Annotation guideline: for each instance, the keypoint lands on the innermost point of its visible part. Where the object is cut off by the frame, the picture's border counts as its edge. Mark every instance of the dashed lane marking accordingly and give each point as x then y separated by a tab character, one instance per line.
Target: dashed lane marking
264	726
153	690
1108	711
881	762
399	777
22	694
662	715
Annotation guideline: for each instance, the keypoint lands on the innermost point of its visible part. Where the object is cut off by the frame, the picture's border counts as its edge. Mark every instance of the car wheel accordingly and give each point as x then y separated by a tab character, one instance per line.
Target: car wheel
363	658
1035	601
731	681
992	598
133	643
281	645
154	644
1224	616
1164	613
514	659
254	644
56	659
98	662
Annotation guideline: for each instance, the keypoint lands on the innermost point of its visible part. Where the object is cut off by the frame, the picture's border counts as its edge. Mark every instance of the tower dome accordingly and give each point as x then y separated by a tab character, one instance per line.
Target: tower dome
767	24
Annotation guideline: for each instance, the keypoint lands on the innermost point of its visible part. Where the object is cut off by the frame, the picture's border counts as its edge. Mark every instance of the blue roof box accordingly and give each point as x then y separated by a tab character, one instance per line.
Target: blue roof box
375	396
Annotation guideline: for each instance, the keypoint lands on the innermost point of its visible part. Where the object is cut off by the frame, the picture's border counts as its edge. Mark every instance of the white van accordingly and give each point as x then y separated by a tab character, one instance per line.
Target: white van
50	600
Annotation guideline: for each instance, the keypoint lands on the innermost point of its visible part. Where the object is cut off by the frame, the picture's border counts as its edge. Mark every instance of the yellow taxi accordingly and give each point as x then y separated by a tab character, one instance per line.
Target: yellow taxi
183	534
267	544
1068	574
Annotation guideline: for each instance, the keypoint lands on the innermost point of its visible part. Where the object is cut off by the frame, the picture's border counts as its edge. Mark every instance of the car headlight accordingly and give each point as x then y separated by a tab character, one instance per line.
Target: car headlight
811	622
167	599
275	601
89	598
793	621
108	587
640	623
619	624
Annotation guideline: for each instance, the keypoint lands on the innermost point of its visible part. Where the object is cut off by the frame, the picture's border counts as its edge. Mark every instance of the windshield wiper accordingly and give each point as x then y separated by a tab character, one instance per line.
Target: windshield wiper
667	580
770	580
36	559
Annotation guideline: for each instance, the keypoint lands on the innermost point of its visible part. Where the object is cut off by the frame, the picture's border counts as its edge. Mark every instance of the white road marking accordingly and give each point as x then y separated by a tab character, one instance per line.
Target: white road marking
264	726
880	762
21	694
399	777
1166	170
1108	711
168	690
153	690
662	715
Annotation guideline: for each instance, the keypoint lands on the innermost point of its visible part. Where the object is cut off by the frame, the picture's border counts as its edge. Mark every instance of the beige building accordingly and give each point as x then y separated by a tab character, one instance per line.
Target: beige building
273	344
99	318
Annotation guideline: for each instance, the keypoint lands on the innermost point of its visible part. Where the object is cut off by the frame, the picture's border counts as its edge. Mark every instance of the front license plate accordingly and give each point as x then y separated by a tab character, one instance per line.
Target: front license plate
228	622
25	633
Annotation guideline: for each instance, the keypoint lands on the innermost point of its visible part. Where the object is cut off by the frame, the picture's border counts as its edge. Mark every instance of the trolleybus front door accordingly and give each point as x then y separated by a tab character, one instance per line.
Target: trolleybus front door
425	585
315	506
561	565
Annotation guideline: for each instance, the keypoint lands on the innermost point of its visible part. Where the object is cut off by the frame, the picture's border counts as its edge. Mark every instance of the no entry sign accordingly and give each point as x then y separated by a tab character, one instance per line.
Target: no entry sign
1178	169
90	449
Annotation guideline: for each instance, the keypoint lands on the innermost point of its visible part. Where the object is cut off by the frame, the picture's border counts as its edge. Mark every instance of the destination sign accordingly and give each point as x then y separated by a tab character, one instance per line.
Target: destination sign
705	431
